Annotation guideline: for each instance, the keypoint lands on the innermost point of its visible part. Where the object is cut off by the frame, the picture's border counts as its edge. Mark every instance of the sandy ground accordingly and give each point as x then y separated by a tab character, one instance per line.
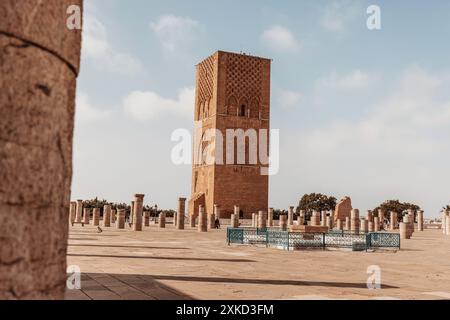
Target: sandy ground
172	264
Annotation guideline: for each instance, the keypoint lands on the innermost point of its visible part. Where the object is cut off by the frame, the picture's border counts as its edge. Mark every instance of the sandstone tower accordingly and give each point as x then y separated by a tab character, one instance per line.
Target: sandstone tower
232	92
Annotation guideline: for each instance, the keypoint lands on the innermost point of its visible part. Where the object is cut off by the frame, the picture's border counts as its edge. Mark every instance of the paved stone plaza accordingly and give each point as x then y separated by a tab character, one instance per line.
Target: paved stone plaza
183	264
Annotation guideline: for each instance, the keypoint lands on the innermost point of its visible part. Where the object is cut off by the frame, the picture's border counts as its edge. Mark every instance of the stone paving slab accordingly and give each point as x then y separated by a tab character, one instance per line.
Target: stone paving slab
173	264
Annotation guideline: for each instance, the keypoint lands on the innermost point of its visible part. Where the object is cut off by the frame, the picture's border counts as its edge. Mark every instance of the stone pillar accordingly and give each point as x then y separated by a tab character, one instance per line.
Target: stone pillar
234	222
393	221
86	215
443	222
254	224
302	217
283	222
376	224
291	216
72	212
146	219
174	220
315	218
347	224
262	220
300	220
381	216
403	231
120	221
138	211
363	226
211	221
420	220
113	215
96	217
132	212
328	223
354	221
236	216
323	219
407	224
202	220
370	226
181	213
107	215
79	213
339	224
447	224
270	217
192	219
162	220
39	64
369	216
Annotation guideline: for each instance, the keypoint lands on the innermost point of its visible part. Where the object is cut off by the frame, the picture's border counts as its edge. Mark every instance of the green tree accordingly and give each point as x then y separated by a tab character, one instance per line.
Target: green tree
315	202
401	208
279	212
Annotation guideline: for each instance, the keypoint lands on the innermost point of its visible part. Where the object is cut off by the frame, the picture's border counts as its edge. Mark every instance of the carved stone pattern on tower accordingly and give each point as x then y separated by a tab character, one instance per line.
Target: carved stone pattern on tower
244	78
206	80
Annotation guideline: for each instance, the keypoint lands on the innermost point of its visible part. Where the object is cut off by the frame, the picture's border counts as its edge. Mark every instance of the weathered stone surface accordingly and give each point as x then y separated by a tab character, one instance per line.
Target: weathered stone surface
39	61
162	220
138	212
107	215
73	211
262	219
120	221
96	217
181	213
43	24
202	220
343	209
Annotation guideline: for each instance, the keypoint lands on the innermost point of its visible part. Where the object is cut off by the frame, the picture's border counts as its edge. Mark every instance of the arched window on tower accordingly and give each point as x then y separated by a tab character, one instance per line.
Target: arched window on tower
242	111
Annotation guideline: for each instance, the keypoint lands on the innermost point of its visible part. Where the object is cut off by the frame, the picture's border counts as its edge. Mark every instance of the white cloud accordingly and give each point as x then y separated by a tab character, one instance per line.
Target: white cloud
354	80
148	105
338	14
174	32
393	151
86	112
288	98
280	39
97	48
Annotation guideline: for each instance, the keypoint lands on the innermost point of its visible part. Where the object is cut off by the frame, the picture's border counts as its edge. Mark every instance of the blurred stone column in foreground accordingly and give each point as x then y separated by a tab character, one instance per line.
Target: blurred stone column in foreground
39	64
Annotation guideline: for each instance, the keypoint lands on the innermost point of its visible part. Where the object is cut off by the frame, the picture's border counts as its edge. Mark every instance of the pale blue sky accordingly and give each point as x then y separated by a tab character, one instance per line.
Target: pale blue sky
361	113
